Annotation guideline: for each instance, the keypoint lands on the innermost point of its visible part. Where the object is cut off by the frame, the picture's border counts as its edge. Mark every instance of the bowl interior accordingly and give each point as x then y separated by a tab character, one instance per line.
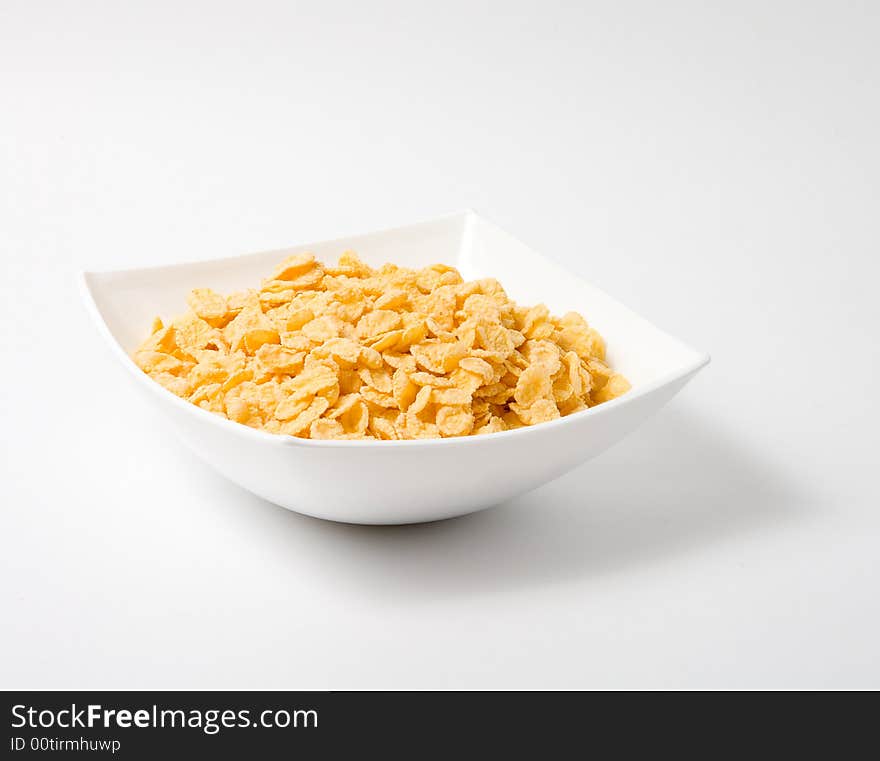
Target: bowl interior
127	300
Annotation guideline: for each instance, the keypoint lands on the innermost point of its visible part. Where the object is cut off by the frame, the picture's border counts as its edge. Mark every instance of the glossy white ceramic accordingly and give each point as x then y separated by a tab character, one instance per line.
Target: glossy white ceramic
402	481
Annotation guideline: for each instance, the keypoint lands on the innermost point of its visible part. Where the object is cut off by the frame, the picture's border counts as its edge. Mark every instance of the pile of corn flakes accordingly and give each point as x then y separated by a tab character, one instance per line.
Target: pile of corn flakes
351	352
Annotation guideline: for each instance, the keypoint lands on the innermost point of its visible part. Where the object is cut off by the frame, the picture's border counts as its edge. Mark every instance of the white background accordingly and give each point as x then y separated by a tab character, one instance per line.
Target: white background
715	166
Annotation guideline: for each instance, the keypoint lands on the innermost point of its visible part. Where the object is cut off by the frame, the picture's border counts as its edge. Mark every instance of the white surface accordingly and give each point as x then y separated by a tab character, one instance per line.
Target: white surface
714	167
382	482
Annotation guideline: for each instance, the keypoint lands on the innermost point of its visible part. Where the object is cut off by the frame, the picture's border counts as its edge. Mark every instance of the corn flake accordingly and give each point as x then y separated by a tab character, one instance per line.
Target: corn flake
352	352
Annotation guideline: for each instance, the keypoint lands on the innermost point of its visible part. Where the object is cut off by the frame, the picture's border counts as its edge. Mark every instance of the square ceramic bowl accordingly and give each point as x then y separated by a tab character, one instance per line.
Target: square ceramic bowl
402	481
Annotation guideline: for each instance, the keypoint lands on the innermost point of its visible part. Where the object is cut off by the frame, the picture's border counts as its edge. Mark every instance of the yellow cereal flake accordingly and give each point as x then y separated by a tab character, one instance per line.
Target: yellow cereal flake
421	400
280	359
324	428
294	266
315	380
254	339
300	424
436	356
478	367
455	421
352	352
324	328
616	386
403	389
209	306
377	322
453	396
540	412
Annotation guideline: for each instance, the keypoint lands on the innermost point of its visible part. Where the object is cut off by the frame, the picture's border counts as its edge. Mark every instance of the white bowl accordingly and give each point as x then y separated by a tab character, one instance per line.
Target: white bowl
402	481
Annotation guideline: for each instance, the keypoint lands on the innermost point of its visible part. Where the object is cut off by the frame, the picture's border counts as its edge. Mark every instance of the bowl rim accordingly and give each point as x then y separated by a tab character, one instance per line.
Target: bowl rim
700	360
